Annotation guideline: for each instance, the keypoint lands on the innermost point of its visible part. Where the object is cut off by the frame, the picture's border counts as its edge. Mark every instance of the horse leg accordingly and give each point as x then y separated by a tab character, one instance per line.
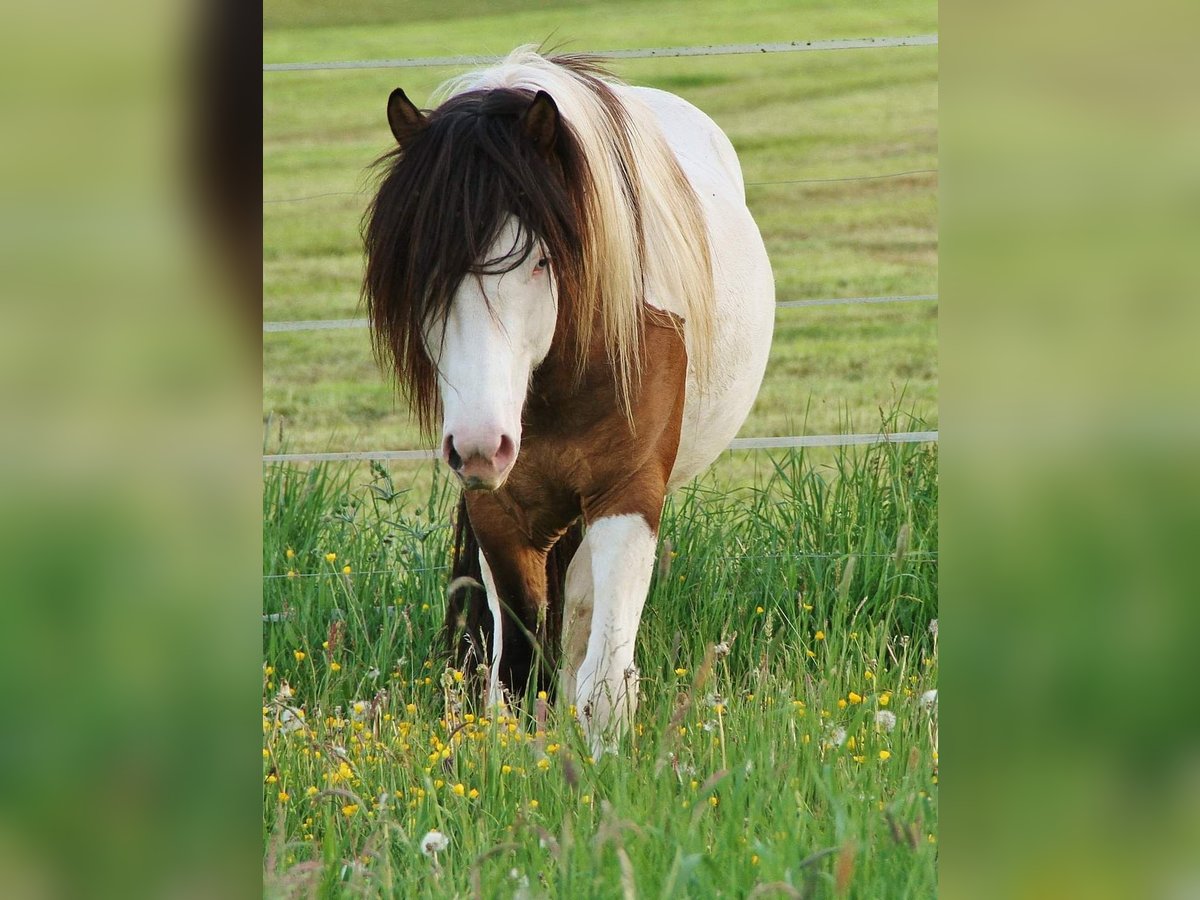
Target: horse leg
622	562
577	618
514	576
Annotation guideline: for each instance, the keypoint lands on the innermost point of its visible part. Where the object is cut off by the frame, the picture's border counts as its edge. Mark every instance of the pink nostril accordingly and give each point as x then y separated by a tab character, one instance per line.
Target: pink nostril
505	453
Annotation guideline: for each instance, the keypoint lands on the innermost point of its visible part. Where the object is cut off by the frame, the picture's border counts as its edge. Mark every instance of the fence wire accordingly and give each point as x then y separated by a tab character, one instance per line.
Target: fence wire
420	62
760	443
341	324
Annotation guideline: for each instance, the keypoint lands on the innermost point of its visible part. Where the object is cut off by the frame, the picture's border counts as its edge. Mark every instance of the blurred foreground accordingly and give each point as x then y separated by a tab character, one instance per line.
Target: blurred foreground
131	483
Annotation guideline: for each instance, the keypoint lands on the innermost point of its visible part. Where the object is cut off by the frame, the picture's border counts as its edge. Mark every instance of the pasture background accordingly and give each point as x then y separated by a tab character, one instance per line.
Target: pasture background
826	115
824	565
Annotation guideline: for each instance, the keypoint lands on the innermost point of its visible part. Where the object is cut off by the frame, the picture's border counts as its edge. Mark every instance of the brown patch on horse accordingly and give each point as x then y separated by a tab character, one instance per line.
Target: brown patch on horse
581	459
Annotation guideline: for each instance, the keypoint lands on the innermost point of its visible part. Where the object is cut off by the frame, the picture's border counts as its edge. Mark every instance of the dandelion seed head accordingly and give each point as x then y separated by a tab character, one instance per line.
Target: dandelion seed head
434	842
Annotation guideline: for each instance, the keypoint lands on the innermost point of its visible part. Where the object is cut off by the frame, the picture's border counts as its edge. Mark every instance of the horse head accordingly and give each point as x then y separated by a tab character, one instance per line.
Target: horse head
471	242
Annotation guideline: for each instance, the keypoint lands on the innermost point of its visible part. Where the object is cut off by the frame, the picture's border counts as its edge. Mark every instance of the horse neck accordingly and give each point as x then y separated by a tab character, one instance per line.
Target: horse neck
562	397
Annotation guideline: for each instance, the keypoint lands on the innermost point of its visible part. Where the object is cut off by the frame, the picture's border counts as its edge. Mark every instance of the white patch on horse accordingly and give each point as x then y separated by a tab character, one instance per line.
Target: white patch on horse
622	561
577	616
495	690
499	327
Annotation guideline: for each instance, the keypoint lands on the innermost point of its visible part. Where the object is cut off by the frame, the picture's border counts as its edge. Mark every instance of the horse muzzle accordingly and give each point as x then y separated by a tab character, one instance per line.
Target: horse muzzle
481	464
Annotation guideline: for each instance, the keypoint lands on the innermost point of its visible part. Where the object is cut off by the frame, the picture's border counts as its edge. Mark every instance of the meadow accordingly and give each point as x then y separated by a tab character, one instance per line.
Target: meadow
785	744
785	741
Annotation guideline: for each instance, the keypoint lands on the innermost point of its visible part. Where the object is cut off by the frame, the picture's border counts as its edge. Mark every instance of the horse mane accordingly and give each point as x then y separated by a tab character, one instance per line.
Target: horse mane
629	229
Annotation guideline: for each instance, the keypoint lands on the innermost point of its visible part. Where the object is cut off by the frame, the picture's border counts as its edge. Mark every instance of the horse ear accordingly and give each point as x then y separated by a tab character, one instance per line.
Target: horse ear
540	122
404	118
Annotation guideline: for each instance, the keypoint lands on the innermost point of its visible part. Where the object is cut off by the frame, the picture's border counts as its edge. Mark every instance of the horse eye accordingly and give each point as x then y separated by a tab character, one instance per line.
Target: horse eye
543	262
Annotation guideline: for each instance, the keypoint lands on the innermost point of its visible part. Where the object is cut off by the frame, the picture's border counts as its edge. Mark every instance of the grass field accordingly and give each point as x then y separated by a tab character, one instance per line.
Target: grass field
791	116
802	757
773	769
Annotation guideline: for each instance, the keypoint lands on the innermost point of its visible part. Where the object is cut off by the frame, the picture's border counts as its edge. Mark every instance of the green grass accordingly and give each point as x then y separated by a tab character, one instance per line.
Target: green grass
791	116
823	582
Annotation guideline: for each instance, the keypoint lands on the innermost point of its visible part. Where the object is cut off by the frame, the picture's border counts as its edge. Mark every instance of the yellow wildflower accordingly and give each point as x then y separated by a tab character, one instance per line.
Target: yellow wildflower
335	666
289	552
819	636
841	703
299	654
330	557
506	769
854	698
681	672
311	791
759	610
885	755
345	570
543	764
284	796
714	800
472	794
349	809
458	789
885	699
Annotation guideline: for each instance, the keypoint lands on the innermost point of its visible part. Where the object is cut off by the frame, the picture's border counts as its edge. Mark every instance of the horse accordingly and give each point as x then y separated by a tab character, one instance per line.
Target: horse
562	269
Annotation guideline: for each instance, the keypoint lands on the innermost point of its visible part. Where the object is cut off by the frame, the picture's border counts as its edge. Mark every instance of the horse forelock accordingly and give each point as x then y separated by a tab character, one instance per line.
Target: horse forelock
441	204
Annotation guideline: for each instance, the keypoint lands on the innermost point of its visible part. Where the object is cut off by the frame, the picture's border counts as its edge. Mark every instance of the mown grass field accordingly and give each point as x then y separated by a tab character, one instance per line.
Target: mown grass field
803	757
800	116
771	770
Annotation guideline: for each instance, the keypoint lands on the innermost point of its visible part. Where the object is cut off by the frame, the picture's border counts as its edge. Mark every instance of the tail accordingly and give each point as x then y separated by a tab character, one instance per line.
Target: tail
468	629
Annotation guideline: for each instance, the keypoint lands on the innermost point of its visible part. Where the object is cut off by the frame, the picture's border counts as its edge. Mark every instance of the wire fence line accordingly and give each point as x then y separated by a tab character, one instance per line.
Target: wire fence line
917	555
418	62
340	324
877	177
760	443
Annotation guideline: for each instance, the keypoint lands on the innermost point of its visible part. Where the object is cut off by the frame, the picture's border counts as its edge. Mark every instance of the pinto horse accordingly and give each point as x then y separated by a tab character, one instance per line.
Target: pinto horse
562	269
